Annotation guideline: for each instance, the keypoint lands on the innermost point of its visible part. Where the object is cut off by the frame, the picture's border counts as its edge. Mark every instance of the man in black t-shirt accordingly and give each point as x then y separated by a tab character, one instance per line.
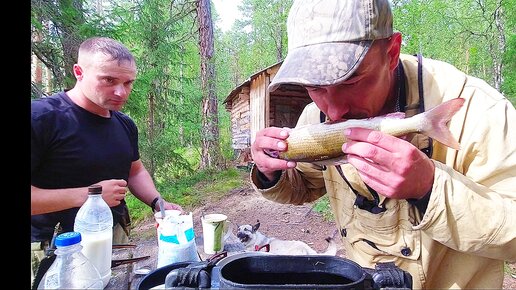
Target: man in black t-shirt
79	138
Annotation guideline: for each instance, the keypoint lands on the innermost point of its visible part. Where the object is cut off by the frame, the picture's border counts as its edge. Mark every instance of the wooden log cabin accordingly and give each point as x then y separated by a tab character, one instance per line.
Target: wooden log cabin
252	107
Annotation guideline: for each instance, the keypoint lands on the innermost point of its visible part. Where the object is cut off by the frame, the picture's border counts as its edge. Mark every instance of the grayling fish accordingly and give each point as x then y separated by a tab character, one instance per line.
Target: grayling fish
323	141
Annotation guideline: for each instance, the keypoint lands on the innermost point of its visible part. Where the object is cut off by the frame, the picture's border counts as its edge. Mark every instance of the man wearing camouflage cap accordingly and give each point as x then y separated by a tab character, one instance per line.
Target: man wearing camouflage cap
446	216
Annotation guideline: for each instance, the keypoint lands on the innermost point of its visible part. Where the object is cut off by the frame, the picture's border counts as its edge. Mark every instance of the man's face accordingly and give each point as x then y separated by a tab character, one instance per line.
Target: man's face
362	95
105	82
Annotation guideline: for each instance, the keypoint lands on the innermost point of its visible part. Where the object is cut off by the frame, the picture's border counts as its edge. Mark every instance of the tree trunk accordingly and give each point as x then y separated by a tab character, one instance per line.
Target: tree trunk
210	154
151	129
71	37
498	63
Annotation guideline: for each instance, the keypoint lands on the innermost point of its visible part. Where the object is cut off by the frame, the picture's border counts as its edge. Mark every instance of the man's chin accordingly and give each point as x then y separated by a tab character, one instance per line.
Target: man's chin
116	107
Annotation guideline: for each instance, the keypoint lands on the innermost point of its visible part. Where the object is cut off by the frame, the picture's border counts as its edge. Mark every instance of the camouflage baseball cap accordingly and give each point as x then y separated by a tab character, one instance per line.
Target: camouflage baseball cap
327	39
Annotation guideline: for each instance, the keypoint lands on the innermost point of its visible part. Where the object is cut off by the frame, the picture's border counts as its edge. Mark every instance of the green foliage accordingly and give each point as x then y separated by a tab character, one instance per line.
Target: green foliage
166	99
166	96
259	39
464	33
255	42
507	269
322	206
509	58
57	28
189	191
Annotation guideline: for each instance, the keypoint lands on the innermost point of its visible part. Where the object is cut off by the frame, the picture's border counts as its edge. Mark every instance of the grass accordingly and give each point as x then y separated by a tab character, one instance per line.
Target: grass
507	269
322	206
190	191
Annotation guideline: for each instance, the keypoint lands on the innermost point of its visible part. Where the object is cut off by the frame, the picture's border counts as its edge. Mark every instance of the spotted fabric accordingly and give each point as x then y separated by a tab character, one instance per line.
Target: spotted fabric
327	39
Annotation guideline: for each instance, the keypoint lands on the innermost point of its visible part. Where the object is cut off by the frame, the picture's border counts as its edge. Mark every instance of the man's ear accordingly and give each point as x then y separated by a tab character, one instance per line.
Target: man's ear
393	49
77	71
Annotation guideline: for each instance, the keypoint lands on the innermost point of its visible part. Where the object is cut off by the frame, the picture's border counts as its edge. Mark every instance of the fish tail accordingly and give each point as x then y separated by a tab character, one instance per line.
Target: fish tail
436	120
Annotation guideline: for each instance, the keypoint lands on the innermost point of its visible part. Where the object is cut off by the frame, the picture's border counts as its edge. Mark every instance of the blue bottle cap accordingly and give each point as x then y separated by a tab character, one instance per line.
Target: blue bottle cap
67	239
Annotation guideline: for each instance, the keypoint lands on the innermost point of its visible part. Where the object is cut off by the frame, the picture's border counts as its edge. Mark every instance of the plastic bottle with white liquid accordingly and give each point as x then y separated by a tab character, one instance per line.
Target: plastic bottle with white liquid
95	223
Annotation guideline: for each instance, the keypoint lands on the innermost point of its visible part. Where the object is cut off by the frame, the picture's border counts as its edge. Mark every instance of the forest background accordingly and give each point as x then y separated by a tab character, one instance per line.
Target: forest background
187	67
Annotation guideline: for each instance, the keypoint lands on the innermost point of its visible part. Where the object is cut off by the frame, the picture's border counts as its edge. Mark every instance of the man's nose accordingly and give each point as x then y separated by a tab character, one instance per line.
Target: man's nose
337	107
121	90
337	112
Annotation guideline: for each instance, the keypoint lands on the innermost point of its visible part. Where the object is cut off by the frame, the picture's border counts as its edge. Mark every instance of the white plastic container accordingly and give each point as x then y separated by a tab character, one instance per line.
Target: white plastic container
95	223
71	269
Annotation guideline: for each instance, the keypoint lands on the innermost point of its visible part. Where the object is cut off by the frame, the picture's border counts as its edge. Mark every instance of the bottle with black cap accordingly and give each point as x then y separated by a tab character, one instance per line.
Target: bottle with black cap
95	223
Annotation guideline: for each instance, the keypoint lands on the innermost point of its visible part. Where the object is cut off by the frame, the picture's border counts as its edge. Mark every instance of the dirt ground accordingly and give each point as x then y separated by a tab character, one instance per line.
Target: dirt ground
244	206
288	222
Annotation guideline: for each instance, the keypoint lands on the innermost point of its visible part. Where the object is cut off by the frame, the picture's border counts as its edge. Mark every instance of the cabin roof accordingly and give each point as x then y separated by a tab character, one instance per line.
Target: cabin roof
246	82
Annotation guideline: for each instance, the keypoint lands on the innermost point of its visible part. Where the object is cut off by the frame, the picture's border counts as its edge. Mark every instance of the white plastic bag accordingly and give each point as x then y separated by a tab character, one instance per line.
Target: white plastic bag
176	240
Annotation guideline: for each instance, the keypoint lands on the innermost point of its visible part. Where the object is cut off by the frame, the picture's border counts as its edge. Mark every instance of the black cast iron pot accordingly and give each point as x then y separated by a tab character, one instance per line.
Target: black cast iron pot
258	270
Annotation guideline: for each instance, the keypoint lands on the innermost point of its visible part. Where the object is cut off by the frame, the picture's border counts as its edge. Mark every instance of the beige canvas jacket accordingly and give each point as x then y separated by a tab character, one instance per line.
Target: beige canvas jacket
469	227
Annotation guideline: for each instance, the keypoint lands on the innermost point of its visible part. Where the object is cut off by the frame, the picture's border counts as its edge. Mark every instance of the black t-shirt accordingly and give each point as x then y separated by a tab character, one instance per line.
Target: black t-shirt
71	147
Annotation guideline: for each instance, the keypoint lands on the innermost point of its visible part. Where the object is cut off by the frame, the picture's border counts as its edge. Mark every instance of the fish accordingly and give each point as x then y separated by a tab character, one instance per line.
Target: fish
322	143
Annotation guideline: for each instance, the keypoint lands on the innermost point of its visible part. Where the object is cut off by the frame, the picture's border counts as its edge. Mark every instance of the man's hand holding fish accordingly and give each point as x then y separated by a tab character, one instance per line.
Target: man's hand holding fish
391	166
268	142
417	158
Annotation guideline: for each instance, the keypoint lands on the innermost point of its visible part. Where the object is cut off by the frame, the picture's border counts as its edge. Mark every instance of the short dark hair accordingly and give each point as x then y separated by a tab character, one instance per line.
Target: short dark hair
108	46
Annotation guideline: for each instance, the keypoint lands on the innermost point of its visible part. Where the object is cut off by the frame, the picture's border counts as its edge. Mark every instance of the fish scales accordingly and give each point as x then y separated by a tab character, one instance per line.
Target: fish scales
323	141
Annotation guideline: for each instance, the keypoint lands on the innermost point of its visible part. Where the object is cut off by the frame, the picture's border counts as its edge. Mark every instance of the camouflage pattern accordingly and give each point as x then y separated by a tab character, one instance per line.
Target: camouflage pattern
327	39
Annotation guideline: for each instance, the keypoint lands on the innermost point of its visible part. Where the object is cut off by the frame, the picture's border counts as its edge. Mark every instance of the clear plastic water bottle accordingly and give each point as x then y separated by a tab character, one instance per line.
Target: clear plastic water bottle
71	269
95	223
